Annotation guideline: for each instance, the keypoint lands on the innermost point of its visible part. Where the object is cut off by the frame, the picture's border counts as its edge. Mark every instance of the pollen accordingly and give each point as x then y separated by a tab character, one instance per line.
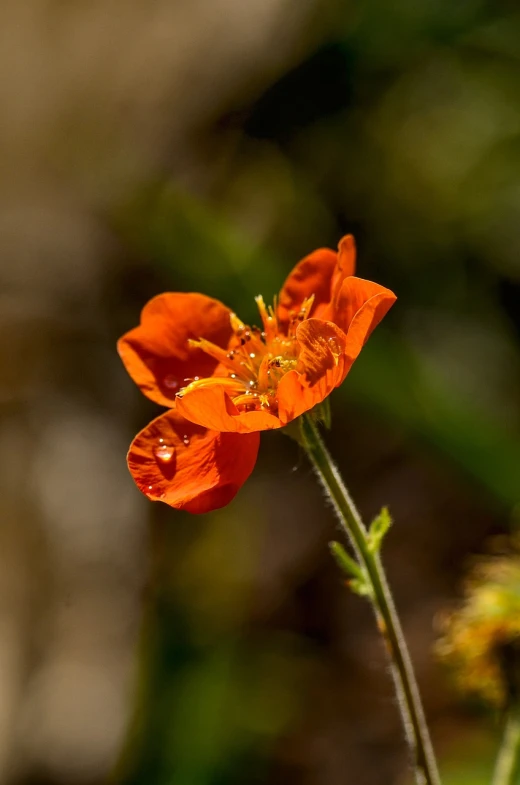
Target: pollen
256	359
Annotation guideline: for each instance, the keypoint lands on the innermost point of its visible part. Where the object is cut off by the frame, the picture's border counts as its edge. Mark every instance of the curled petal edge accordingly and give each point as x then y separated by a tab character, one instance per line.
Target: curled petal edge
213	408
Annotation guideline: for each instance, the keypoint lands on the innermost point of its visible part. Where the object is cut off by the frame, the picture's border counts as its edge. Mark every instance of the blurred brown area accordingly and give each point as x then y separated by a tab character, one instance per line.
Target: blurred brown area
206	146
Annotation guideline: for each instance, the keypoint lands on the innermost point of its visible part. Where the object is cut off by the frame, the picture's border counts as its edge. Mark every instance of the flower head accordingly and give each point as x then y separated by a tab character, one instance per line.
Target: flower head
481	639
232	380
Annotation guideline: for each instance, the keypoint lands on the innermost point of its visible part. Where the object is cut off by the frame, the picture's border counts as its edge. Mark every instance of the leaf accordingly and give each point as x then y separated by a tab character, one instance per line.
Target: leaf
321	414
378	529
357	580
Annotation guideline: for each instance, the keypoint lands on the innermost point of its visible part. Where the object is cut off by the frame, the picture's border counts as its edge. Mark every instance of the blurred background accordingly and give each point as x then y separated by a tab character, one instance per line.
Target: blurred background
207	145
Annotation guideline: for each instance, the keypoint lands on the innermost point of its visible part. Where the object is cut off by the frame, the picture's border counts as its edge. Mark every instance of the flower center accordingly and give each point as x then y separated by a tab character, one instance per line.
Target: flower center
251	368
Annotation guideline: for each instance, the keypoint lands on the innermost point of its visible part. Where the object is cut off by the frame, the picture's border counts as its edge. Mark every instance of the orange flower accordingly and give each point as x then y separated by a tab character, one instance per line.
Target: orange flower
225	381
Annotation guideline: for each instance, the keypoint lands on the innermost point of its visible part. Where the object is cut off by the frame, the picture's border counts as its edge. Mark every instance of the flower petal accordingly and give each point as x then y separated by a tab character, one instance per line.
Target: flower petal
313	275
359	307
321	274
328	350
346	265
189	467
213	408
157	354
321	368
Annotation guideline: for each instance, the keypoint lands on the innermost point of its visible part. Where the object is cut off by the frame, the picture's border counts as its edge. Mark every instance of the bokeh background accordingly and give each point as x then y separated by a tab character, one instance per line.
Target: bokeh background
207	145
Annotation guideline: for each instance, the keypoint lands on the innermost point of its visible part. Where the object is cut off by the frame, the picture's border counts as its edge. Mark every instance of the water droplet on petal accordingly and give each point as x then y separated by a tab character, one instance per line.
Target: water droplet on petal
150	487
171	382
164	452
196	378
186	439
252	355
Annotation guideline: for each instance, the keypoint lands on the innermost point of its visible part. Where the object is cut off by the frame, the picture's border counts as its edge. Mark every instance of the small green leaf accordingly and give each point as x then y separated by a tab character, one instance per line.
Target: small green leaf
360	587
357	580
378	529
321	414
293	431
345	562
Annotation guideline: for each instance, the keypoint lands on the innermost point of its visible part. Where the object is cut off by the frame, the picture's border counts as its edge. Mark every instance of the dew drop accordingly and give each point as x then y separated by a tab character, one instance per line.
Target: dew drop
171	382
164	452
186	439
252	355
196	378
252	384
233	376
150	487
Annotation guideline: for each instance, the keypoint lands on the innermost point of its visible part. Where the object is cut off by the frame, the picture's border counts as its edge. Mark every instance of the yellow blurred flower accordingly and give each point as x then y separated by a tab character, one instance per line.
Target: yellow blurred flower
481	638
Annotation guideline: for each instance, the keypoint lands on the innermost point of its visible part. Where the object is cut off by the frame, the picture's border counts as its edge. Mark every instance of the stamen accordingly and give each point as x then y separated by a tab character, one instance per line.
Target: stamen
269	320
228	359
210	348
300	316
257	358
247	399
263	373
236	324
231	384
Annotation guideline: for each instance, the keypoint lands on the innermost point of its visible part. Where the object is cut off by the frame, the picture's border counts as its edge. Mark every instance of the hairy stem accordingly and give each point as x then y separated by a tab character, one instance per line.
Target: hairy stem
409	700
506	766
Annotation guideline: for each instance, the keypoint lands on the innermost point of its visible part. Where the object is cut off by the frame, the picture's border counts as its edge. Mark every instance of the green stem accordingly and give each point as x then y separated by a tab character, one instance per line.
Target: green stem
409	699
506	765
